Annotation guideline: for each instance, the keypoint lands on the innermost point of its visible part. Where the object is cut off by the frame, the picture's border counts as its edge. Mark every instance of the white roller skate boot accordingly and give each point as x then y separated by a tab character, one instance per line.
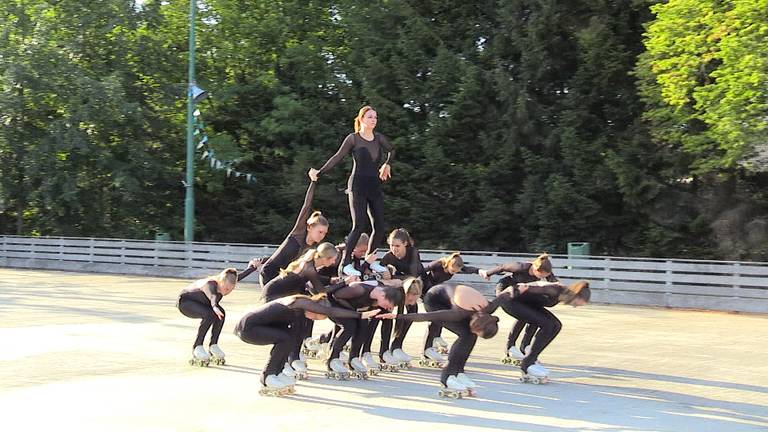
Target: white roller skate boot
311	347
440	345
274	386
403	358
514	356
200	357
359	370
468	383
373	366
299	369
288	380
378	268
391	364
432	358
350	270
288	371
217	355
453	388
337	370
536	374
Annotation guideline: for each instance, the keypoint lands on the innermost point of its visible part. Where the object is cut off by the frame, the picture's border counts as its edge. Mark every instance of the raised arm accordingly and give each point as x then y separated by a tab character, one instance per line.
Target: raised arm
311	306
344	149
301	221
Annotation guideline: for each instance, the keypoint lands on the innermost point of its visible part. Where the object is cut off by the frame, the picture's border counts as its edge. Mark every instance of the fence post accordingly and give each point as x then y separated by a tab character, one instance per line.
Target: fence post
736	274
668	283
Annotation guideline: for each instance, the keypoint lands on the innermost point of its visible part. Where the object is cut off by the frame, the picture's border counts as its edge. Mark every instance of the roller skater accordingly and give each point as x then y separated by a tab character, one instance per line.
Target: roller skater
529	303
438	272
539	269
364	186
201	299
465	312
270	324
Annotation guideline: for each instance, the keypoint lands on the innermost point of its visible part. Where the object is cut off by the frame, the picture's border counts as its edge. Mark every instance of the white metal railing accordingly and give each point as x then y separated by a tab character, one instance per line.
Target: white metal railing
720	285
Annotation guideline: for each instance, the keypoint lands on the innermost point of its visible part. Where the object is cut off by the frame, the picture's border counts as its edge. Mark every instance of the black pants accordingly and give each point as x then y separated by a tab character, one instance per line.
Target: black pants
530	332
461	348
193	309
402	327
386	335
547	323
364	201
303	329
351	328
280	336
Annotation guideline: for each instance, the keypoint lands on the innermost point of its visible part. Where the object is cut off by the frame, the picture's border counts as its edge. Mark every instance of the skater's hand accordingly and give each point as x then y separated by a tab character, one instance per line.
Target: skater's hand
484	274
389	315
350	279
385	172
370	314
522	287
371	258
255	263
218	312
313	173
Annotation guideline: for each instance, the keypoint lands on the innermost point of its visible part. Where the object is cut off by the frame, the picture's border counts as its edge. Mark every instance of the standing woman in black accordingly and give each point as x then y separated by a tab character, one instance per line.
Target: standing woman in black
364	185
309	230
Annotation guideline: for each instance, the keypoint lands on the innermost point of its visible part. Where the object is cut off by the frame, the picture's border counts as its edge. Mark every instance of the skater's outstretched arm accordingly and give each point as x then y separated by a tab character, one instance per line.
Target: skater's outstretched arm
301	221
344	149
551	289
318	308
253	266
503	296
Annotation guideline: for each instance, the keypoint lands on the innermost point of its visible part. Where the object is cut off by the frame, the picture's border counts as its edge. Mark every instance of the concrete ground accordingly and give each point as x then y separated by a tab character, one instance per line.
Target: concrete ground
92	352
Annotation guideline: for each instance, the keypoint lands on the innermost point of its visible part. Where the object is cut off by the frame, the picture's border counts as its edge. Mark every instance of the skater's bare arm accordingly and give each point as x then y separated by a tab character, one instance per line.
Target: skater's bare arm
447	315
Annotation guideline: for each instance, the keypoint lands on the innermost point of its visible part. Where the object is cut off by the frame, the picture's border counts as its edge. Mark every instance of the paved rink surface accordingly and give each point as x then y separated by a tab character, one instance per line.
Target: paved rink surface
84	352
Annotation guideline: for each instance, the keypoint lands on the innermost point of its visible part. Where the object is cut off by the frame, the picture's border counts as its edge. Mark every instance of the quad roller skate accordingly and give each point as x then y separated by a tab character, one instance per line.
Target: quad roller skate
373	366
514	357
359	370
217	355
440	345
404	360
200	357
468	383
311	348
299	369
274	386
432	358
337	370
453	388
536	374
391	364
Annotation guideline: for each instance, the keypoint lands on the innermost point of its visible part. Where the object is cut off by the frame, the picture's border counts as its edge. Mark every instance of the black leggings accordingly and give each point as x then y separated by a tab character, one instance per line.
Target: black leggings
530	332
193	309
461	348
547	323
303	329
386	335
401	328
363	202
351	328
280	336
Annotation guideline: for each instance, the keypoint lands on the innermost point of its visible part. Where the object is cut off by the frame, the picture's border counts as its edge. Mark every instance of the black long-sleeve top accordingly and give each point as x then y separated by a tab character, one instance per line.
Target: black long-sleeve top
277	312
355	296
516	272
365	155
434	273
407	266
307	278
208	293
294	244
